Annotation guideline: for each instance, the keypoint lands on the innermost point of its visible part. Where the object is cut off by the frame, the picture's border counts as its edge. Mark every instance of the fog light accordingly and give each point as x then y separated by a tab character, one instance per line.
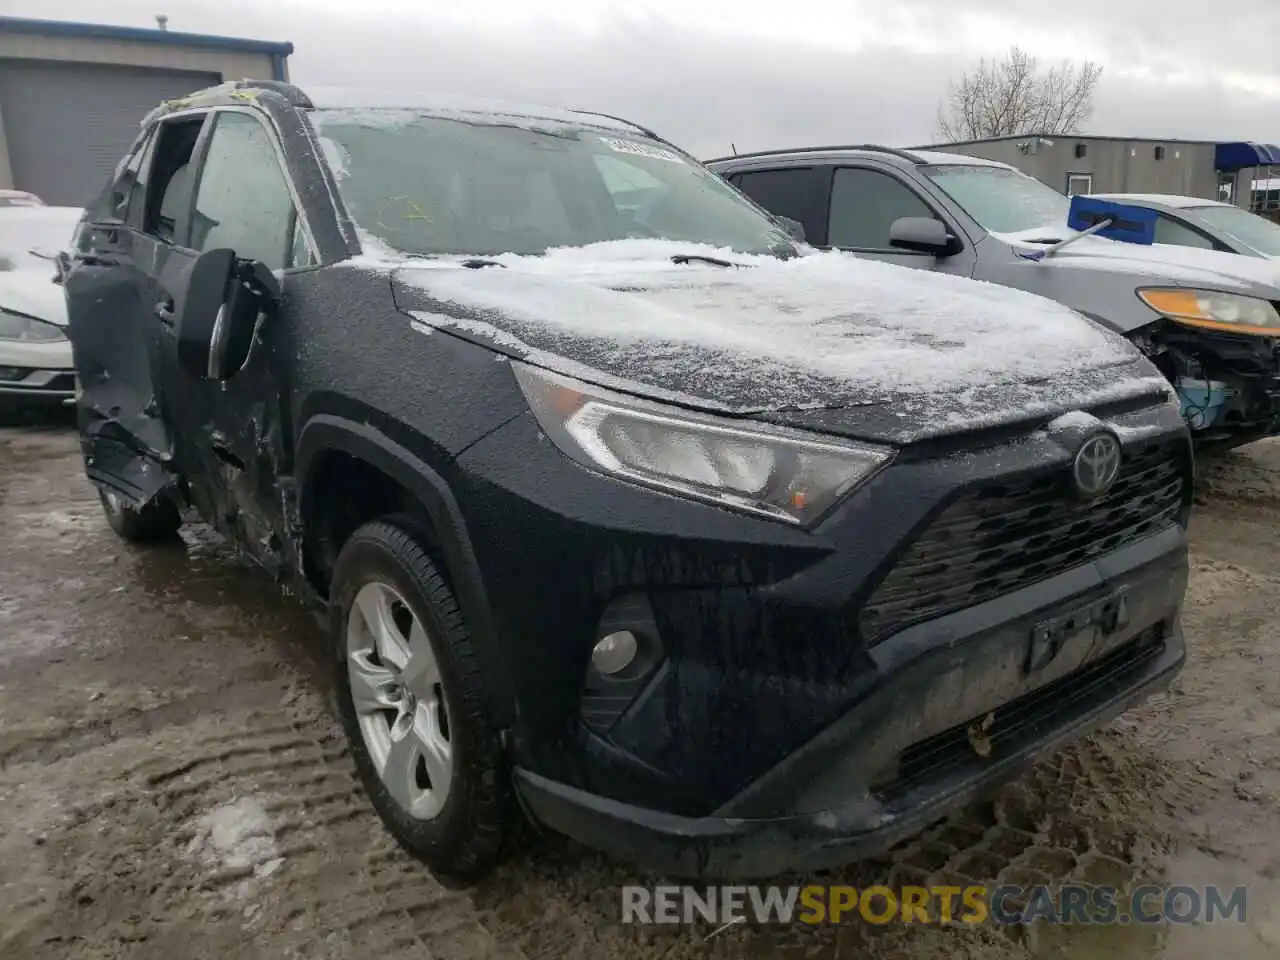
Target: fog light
614	652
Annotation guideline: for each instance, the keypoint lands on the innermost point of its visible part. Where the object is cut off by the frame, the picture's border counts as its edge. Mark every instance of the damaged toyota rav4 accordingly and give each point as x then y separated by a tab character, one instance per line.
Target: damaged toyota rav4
628	514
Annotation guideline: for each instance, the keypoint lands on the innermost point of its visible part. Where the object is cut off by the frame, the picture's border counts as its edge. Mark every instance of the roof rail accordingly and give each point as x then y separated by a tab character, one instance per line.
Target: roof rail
291	93
893	151
630	123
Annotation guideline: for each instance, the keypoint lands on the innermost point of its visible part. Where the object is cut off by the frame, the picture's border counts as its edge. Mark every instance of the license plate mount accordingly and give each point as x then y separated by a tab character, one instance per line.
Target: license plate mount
1083	624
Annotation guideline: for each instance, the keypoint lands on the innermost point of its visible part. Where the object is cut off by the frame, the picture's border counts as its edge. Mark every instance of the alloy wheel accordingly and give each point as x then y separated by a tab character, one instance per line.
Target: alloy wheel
399	701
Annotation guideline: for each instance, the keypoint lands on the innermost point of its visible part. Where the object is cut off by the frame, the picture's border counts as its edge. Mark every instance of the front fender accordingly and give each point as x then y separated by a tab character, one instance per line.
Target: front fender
325	433
1107	296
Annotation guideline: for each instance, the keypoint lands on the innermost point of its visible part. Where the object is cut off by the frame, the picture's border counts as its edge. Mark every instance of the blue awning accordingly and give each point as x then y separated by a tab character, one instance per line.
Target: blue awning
1238	156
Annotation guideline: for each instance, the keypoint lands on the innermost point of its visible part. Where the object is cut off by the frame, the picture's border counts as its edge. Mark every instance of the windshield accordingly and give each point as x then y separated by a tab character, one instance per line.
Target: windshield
1248	228
430	185
1002	200
46	229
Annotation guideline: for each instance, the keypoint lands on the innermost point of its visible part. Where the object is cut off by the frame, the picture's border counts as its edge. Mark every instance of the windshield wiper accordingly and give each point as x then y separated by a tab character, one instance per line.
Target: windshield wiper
684	258
476	263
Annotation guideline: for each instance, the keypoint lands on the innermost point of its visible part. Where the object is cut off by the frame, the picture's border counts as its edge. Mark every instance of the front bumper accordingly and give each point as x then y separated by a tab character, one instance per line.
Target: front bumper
900	760
36	373
807	676
39	387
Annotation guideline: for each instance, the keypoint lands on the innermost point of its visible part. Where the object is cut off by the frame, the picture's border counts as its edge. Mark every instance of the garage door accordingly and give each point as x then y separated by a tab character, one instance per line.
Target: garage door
68	124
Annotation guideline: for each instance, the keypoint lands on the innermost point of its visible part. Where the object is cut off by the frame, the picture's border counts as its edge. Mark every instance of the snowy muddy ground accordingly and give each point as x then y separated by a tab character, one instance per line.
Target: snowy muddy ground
172	783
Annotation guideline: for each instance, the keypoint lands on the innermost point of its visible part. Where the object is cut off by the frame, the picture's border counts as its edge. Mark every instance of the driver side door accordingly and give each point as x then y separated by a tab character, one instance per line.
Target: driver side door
227	429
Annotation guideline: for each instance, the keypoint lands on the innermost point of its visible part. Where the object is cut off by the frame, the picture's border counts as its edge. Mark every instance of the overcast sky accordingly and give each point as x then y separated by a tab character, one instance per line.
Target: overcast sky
706	73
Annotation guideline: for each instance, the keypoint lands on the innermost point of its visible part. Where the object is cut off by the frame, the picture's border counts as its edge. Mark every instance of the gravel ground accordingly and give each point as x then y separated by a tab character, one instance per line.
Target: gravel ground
173	782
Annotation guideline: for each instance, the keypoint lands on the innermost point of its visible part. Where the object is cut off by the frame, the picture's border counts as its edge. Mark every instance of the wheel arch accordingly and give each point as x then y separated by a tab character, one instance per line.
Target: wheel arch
325	436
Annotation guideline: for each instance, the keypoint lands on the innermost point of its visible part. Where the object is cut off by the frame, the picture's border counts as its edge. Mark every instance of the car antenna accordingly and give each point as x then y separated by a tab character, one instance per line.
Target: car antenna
734	147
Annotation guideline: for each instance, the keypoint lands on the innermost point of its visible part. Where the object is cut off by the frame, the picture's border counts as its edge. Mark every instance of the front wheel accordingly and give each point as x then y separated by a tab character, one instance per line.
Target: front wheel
410	698
157	520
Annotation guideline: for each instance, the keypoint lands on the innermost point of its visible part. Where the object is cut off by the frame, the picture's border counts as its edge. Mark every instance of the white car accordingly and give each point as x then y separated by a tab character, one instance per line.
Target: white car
19	198
1206	224
35	354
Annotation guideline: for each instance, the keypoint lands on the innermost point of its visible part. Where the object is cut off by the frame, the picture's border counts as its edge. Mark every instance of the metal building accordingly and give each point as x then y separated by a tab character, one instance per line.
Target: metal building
72	94
1211	169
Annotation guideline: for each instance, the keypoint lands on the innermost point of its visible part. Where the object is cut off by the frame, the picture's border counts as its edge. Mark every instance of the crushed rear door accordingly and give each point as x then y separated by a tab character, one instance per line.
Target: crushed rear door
126	446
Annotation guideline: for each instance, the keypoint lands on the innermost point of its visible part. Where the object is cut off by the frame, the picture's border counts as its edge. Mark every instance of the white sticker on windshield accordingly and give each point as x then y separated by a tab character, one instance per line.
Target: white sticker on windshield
636	148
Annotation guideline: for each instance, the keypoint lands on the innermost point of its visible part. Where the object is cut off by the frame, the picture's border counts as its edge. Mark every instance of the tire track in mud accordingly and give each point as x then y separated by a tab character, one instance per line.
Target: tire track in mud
259	832
172	781
1068	819
322	823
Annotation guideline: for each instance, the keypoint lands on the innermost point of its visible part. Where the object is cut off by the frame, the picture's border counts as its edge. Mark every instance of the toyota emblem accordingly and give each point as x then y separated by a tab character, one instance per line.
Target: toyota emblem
1096	466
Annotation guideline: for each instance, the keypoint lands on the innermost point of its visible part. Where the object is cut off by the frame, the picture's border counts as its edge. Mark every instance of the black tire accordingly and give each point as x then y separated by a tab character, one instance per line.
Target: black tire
159	520
480	818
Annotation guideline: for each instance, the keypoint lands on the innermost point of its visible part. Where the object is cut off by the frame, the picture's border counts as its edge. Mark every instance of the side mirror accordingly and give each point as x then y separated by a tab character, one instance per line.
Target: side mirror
216	313
794	228
923	235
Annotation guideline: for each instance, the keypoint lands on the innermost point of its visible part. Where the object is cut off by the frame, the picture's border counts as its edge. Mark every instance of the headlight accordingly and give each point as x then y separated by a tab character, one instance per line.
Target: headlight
15	326
783	474
1220	311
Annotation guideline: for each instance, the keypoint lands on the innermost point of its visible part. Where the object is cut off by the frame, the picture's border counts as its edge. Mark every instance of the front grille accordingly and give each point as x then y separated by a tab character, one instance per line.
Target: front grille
1003	536
1031	717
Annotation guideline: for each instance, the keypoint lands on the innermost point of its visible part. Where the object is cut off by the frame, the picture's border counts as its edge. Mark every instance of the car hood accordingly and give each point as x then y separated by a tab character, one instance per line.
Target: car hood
33	292
1159	262
901	354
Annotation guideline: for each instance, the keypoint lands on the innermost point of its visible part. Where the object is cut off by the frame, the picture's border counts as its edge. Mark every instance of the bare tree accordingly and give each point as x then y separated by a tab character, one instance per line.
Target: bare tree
1015	96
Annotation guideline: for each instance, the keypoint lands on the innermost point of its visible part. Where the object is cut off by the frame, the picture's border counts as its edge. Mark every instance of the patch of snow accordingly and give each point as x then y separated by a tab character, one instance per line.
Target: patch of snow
335	154
831	316
477	327
375	254
1046	235
976	407
1131	434
238	835
1209	267
426	322
1073	419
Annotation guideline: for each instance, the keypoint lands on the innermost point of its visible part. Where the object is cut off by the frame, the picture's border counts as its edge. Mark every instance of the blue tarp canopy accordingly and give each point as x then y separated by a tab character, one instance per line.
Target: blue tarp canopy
1238	156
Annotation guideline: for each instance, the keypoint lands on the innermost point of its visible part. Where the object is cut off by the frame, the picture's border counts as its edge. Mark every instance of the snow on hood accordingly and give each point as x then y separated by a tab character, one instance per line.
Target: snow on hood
824	330
1183	266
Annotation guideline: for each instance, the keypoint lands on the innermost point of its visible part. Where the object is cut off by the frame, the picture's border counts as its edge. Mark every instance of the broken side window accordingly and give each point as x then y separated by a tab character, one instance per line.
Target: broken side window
168	194
243	201
136	201
127	184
